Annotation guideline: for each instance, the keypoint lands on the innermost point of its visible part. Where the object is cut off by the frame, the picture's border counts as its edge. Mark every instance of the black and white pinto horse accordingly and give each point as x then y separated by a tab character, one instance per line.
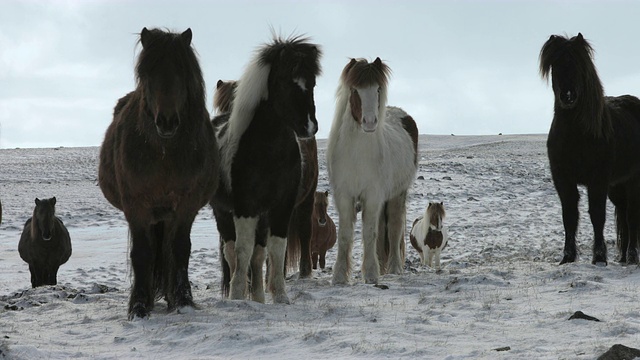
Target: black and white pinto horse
372	162
594	141
261	165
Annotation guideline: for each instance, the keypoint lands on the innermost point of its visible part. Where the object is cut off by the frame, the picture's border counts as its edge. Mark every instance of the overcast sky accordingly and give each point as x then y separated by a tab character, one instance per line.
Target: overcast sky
461	67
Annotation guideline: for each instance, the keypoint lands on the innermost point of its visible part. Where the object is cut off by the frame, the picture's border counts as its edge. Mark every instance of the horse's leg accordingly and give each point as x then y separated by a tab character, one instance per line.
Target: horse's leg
597	212
314	260
346	219
569	197
618	198
180	288
227	231
383	239
277	246
396	210
245	242
370	217
34	276
437	256
142	255
257	261
633	223
430	253
323	255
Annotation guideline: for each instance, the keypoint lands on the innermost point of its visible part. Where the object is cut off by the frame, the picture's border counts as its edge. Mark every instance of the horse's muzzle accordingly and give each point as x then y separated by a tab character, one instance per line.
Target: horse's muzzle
167	127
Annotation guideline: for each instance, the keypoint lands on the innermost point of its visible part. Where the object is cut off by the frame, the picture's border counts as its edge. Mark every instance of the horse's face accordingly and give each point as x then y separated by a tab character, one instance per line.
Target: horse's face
44	215
365	105
436	214
164	81
564	78
569	63
367	84
320	204
293	101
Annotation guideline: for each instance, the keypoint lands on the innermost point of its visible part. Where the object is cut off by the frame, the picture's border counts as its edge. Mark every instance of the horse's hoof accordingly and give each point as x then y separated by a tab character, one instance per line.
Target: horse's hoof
599	260
138	311
371	280
188	309
281	299
258	297
567	259
339	279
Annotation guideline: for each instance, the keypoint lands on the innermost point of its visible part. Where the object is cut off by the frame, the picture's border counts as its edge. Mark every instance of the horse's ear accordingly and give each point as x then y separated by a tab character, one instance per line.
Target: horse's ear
219	84
144	36
442	203
37	201
187	35
580	36
377	62
53	200
326	193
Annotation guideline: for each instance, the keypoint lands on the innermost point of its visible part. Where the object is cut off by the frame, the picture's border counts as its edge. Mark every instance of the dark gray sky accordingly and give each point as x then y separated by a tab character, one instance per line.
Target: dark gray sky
462	67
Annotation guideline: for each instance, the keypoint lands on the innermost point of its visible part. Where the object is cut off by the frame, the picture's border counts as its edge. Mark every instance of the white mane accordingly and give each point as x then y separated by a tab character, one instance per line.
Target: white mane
252	88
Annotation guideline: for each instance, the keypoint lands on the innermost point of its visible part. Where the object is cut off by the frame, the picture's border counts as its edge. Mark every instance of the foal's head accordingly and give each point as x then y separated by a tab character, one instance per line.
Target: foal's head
294	63
169	76
367	83
320	205
569	62
436	214
44	218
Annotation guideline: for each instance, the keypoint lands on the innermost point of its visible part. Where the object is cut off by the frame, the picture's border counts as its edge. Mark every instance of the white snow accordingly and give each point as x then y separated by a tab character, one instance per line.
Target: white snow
501	285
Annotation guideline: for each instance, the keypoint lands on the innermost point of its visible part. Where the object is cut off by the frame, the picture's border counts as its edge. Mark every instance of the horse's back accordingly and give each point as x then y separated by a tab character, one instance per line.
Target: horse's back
625	118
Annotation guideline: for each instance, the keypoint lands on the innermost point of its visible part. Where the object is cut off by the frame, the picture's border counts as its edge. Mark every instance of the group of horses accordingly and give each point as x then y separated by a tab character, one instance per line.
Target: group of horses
255	163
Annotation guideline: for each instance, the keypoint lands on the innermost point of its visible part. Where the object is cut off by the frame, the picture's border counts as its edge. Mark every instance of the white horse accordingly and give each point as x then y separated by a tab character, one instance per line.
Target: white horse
428	234
372	162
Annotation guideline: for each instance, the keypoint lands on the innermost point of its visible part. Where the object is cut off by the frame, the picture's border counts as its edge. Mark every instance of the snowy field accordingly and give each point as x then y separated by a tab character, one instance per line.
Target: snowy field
501	294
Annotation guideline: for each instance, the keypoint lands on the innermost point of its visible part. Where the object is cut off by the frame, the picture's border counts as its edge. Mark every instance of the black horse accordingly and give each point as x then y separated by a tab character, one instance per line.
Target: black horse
593	141
261	165
159	165
45	243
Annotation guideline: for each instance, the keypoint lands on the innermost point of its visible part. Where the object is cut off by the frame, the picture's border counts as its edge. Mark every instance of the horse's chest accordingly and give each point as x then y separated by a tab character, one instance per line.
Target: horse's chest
434	239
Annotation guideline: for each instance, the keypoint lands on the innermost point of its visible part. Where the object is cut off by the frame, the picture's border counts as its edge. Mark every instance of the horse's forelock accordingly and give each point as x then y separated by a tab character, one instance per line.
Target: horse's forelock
176	48
361	73
295	55
577	48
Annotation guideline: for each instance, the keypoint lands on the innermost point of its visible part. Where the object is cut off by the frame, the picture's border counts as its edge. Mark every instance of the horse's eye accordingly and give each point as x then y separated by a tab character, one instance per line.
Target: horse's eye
354	91
379	90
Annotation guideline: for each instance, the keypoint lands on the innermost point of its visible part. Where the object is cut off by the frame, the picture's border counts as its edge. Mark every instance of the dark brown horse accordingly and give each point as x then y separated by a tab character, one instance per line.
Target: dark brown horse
45	243
323	229
159	165
594	141
300	224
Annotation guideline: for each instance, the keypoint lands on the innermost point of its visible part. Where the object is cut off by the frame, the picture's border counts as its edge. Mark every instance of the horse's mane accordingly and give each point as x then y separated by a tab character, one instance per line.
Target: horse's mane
171	47
295	54
579	52
361	73
223	98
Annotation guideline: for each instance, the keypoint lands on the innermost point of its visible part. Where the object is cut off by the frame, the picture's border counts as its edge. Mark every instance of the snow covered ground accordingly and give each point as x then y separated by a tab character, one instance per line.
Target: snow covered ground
501	294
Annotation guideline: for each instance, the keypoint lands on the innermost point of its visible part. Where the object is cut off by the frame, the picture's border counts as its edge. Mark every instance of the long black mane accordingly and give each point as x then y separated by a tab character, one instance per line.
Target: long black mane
570	60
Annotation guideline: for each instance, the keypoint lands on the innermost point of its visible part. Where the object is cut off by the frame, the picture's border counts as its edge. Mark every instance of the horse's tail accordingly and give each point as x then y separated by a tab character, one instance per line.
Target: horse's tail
226	272
293	241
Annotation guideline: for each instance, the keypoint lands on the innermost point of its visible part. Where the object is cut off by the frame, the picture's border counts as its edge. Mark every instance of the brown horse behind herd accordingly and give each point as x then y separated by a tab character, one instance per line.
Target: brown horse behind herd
323	229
